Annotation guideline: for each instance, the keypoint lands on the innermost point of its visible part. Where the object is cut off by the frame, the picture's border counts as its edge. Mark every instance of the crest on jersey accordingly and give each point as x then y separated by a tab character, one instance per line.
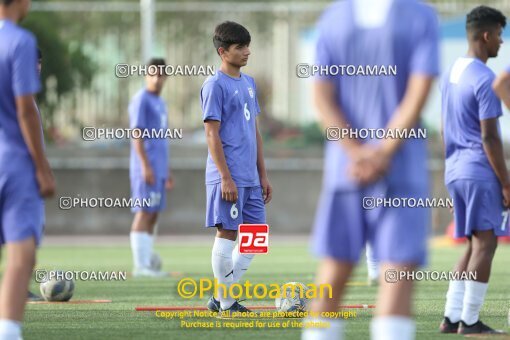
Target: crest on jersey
250	91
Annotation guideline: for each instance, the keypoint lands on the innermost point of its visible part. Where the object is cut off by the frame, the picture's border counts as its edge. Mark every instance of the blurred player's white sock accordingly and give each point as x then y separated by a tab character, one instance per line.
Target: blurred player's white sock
454	300
10	330
473	300
223	267
392	327
148	248
335	331
140	246
241	263
372	264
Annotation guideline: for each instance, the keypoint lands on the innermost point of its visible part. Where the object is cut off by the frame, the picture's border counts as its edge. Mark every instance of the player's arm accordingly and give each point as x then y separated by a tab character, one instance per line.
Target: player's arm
212	134
267	189
444	148
148	174
330	114
424	66
408	113
138	122
30	125
493	147
406	116
169	183
501	86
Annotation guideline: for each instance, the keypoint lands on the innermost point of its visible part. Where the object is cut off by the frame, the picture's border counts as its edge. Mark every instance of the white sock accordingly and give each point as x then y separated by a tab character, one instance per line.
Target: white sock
140	245
392	327
148	248
372	263
473	300
241	263
223	267
10	329
454	300
335	331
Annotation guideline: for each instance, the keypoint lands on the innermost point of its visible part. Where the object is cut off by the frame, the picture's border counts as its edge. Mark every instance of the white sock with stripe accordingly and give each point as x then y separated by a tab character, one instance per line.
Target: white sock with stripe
223	268
241	263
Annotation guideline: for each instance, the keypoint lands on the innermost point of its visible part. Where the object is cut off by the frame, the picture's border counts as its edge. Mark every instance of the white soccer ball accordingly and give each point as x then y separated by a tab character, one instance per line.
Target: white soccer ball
293	297
156	262
57	288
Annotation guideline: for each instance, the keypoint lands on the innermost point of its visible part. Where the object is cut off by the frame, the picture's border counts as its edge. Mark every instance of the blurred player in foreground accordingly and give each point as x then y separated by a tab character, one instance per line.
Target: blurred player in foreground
475	174
25	174
236	179
363	32
148	170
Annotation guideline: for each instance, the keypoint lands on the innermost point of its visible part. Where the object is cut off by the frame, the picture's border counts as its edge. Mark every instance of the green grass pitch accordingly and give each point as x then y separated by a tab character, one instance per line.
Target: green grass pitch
119	320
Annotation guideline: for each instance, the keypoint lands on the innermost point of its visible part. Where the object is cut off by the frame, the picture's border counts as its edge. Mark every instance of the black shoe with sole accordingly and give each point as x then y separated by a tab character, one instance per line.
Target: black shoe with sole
448	327
477	328
34	297
213	305
235	311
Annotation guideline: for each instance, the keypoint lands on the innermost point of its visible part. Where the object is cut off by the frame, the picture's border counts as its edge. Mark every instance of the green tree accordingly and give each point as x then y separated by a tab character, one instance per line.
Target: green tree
65	65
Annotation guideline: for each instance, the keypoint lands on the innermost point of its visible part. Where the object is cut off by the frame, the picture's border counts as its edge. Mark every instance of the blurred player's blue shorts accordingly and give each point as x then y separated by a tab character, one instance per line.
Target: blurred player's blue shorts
156	194
21	208
477	205
249	208
398	234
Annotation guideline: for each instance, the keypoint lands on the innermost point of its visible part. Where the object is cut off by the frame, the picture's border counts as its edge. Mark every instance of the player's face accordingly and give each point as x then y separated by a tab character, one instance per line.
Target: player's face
155	83
494	41
237	55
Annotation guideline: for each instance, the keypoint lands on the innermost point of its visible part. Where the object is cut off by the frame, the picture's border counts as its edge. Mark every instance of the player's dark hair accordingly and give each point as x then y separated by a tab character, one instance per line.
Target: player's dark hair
6	2
229	33
156	62
39	54
482	19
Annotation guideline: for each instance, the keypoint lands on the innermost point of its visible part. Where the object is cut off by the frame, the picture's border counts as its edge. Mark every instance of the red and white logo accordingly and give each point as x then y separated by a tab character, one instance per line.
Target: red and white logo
253	238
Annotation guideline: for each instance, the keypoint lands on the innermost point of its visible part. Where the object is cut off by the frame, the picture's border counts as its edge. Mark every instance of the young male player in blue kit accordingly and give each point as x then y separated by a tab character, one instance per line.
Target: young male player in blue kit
148	170
475	174
373	32
25	174
236	179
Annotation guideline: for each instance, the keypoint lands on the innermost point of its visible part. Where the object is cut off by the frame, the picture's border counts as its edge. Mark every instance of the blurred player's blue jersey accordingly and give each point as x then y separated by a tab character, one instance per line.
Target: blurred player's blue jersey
18	77
401	33
408	39
233	102
21	205
467	98
147	112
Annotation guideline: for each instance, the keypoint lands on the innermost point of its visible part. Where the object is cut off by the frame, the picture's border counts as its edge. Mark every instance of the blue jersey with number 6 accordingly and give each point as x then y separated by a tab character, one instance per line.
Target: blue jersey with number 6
233	102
